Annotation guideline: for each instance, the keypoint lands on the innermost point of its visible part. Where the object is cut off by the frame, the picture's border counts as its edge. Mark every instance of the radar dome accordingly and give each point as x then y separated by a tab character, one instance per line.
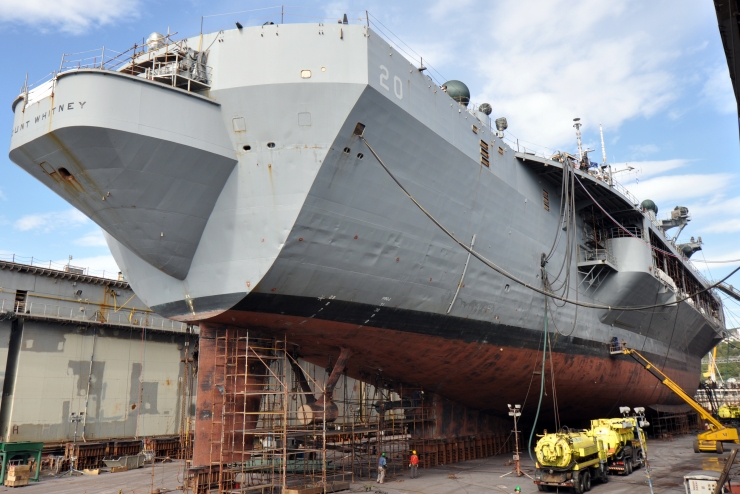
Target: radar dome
649	205
486	108
458	91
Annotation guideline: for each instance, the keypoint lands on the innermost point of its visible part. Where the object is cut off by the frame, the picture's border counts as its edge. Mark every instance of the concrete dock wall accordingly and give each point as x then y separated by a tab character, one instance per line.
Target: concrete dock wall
124	399
84	353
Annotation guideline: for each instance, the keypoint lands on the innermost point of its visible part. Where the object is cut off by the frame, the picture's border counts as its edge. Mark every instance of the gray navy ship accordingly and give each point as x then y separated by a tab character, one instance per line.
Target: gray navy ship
237	177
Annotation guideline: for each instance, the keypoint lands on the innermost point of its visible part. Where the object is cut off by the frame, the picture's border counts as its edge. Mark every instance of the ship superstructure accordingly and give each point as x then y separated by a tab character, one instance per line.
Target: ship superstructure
235	190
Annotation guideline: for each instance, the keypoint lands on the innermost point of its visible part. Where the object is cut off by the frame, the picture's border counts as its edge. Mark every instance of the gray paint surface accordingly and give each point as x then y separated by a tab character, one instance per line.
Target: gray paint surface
307	212
150	181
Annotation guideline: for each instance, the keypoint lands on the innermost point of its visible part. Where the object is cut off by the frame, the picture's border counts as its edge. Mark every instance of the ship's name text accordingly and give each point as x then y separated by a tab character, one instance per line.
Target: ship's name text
72	105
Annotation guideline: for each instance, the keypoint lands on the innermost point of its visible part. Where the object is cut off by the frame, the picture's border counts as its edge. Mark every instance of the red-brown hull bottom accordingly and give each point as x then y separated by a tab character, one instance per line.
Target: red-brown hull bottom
483	376
480	376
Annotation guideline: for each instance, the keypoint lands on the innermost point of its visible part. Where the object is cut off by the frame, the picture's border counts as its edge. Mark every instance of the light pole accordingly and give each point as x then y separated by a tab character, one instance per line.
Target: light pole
75	418
516	411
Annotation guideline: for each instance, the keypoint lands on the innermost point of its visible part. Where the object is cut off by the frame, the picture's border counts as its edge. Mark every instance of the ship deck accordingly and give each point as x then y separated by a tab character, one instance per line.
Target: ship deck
612	198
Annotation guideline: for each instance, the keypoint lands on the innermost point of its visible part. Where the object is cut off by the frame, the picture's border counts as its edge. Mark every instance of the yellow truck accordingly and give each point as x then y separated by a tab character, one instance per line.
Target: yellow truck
621	440
570	459
729	412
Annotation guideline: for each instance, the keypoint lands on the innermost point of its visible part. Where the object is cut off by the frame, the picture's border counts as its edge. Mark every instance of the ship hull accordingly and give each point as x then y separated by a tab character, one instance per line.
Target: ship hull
481	368
310	238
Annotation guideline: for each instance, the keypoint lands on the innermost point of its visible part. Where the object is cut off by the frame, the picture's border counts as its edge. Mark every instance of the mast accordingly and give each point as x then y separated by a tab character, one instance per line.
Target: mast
577	125
603	156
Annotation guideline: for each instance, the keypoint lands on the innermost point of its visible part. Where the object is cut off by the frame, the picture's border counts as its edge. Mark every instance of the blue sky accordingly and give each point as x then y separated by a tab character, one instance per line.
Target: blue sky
653	73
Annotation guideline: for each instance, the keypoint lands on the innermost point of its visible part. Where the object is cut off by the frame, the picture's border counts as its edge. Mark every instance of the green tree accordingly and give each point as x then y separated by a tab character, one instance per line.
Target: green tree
728	361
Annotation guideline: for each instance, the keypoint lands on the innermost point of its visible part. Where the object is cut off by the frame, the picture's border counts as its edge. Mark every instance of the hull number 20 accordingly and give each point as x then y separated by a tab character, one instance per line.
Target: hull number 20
397	82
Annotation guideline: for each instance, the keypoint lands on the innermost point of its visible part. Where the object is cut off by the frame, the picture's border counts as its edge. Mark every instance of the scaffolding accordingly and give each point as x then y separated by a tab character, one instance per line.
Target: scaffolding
187	381
667	421
275	428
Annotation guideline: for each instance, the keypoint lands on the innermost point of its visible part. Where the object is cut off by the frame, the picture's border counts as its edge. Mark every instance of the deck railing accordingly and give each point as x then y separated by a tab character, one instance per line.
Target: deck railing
590	255
165	60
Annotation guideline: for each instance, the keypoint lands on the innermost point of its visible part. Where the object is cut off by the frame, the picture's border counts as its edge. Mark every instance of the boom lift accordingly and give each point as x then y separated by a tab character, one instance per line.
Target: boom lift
709	441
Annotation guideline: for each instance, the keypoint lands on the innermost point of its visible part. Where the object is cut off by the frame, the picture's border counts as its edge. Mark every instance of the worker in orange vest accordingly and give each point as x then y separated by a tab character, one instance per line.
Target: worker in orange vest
414	464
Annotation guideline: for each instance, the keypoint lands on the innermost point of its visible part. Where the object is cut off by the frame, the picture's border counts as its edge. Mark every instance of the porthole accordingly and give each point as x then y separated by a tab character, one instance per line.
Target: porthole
360	155
347	150
246	147
305	74
270	145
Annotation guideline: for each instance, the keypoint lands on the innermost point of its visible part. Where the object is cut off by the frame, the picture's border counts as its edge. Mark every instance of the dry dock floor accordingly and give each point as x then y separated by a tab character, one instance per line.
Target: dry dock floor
669	461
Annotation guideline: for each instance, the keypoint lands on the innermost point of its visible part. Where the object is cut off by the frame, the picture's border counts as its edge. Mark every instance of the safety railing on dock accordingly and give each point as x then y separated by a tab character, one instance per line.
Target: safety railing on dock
92	315
62	267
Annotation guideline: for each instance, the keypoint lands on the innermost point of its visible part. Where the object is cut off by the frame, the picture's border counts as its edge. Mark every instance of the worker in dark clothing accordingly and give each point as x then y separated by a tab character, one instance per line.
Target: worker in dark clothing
381	469
414	465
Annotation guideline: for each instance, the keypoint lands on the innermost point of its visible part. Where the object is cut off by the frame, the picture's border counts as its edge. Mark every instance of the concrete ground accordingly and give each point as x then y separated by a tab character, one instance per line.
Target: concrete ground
669	461
164	476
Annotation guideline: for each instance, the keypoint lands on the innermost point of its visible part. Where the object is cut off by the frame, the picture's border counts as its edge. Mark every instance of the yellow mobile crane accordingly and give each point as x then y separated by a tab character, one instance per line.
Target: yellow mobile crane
711	440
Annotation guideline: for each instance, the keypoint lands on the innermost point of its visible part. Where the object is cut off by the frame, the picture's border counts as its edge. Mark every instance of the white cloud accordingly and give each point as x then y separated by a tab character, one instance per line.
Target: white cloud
644	169
71	16
717	90
95	265
717	206
643	149
601	61
92	239
697	48
668	189
726	226
3	196
46	222
444	8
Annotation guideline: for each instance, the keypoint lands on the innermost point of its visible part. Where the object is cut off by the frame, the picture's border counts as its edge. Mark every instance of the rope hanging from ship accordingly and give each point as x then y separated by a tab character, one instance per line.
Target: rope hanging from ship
542	381
567	223
359	131
547	347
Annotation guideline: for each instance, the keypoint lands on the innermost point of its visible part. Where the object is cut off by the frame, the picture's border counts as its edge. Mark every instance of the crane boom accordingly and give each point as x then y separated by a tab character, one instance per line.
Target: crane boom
710	440
667	382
